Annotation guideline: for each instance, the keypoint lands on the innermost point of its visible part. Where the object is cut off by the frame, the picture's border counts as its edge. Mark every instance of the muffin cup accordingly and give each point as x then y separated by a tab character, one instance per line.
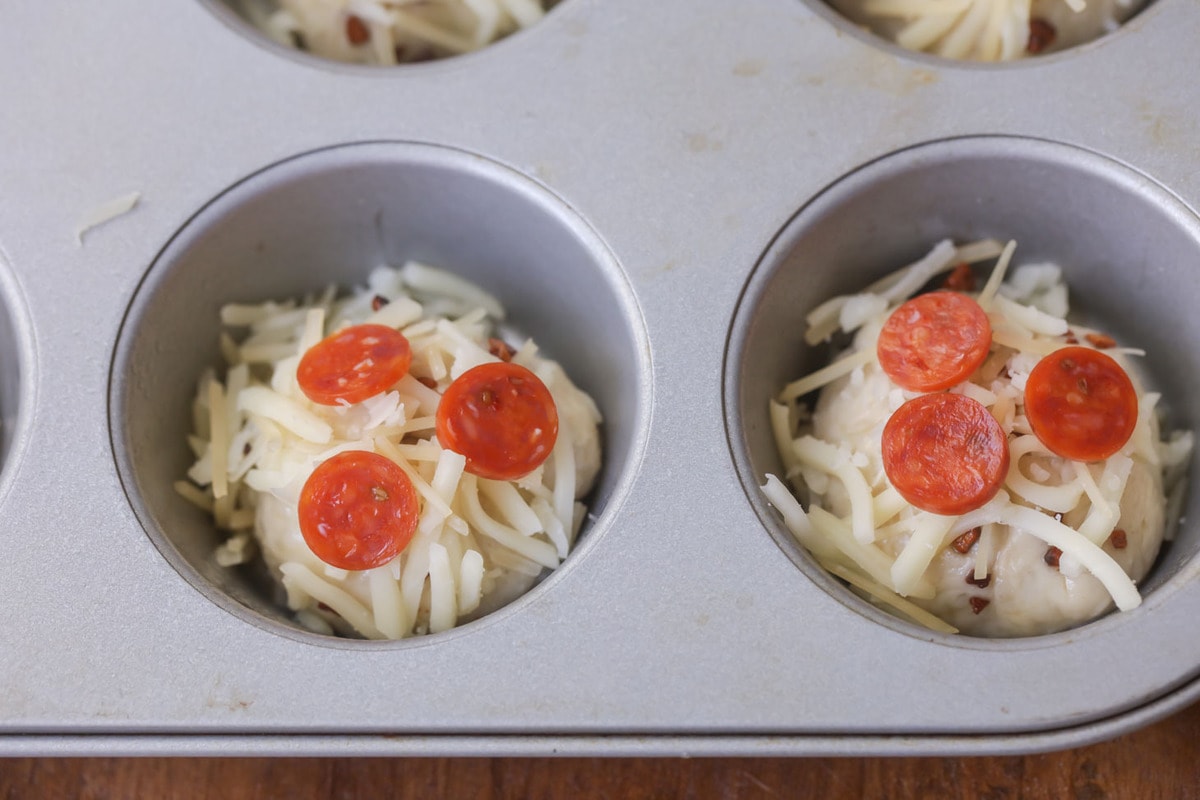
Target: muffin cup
328	218
1125	245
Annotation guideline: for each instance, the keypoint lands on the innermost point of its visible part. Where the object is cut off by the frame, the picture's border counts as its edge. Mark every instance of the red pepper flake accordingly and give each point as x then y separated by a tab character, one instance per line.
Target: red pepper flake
1119	539
357	32
378	302
1100	340
979	604
1071	337
982	583
1041	35
428	382
966	541
960	279
1053	554
500	349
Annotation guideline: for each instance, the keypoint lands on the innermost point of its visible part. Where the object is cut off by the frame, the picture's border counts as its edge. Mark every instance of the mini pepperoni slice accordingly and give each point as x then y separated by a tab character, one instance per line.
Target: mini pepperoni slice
945	453
358	510
934	341
353	364
1081	404
501	417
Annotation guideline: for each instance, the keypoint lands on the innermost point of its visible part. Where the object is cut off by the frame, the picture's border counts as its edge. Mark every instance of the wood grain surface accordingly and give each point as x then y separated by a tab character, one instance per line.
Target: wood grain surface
1160	761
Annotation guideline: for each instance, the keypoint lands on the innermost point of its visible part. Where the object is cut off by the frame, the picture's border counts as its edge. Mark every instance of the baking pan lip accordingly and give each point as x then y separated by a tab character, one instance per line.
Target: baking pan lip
666	745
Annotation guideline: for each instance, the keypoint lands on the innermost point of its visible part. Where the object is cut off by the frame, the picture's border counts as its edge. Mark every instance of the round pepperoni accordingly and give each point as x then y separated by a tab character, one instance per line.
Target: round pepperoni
353	364
501	417
1081	404
358	510
934	341
945	453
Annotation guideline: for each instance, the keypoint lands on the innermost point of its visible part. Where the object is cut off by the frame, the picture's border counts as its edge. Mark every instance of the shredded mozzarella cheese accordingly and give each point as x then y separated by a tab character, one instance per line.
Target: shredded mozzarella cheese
109	210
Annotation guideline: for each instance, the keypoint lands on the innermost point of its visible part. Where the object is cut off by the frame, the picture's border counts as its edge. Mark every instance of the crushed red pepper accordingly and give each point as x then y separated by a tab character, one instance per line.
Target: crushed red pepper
1041	36
960	279
428	382
1119	539
501	349
1071	337
1053	554
357	32
979	604
964	542
378	302
1100	340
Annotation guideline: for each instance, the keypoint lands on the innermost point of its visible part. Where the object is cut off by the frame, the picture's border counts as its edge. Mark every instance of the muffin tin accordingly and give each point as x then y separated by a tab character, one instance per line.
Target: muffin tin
658	192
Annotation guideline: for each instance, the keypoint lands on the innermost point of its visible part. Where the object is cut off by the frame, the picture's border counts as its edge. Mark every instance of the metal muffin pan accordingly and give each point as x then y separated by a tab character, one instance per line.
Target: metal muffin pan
658	192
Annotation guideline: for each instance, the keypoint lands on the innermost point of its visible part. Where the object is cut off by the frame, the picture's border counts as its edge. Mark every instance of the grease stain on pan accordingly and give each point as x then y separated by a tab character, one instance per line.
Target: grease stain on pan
545	173
577	29
749	68
222	697
883	72
704	143
1168	128
872	70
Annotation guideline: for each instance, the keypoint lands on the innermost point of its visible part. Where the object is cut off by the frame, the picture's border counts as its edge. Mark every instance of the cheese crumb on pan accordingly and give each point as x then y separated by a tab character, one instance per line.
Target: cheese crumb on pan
106	211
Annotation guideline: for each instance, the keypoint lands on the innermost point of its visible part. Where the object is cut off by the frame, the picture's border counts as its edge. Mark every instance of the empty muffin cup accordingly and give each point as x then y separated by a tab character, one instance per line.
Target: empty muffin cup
329	218
1126	246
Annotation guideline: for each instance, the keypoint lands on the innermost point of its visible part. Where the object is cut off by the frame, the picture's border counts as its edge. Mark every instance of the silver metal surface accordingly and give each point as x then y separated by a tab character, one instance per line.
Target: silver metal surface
658	191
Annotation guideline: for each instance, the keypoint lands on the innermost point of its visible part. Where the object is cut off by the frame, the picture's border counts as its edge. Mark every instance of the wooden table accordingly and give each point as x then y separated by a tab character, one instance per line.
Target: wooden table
1161	761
